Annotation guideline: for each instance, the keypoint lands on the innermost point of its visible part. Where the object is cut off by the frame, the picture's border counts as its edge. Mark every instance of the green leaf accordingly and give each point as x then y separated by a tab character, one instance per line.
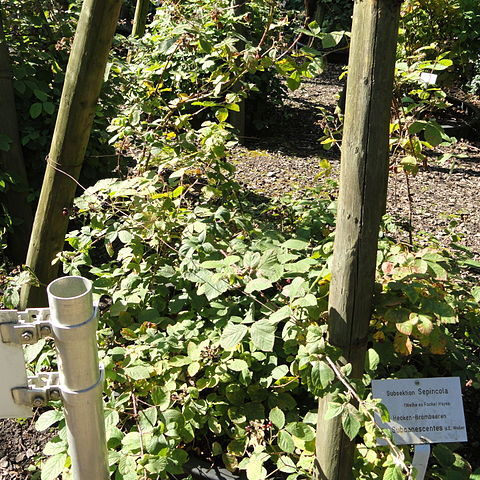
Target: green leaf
322	375
36	110
41	95
221	114
125	236
301	430
255	470
131	442
53	466
138	372
350	422
286	464
161	398
433	135
372	359
285	441
47	419
476	294
237	365
147	419
232	335
277	417
295	244
333	410
257	285
393	472
49	108
262	333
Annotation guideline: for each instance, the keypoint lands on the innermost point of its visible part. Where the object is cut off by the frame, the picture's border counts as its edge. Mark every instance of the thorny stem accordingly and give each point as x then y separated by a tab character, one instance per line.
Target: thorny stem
393	448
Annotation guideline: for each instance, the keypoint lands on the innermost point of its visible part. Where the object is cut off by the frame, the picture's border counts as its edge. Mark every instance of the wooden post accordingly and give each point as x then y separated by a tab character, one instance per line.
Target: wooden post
140	18
83	81
361	204
238	119
12	162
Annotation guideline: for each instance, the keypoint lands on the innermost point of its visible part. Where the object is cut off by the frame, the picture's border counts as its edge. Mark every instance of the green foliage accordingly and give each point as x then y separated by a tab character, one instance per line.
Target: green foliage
447	26
190	74
216	330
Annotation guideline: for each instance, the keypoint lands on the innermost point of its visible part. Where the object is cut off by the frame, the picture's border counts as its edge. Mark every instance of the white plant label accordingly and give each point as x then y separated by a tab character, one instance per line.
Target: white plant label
13	374
422	410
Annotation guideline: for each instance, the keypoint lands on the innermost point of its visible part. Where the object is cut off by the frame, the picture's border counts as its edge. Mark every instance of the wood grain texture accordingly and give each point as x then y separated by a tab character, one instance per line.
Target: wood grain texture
361	203
83	82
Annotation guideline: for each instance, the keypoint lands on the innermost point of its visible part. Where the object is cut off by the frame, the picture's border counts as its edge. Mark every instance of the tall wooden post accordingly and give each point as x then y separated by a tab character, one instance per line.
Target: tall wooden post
238	119
83	81
11	161
361	203
140	18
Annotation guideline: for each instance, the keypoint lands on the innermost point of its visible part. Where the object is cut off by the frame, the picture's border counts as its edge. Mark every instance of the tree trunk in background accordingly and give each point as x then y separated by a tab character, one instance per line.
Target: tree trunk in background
314	10
83	82
12	162
361	204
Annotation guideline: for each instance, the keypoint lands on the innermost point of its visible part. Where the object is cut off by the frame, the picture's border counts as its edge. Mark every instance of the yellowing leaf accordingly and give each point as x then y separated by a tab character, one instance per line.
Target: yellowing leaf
402	344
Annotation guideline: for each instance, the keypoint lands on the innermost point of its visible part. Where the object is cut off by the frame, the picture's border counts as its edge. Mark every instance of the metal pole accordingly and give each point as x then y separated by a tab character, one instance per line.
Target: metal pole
74	324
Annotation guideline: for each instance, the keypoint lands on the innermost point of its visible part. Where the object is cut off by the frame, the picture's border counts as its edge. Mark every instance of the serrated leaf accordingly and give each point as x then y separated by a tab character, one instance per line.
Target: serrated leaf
333	410
322	375
277	417
257	285
350	422
232	335
285	442
393	472
53	466
262	334
47	419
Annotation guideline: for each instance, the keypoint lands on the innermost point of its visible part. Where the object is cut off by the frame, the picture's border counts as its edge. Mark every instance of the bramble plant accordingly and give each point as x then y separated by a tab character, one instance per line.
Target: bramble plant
214	340
214	306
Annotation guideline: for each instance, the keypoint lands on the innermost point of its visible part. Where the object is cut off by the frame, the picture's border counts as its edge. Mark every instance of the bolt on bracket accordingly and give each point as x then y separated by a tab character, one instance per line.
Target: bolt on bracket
25	327
41	389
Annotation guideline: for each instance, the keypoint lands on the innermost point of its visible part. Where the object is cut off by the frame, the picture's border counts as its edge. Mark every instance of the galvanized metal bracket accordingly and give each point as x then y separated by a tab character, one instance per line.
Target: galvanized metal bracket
40	390
25	327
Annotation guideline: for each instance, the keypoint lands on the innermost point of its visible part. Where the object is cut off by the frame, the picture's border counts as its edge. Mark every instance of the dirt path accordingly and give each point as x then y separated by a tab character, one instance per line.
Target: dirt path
443	198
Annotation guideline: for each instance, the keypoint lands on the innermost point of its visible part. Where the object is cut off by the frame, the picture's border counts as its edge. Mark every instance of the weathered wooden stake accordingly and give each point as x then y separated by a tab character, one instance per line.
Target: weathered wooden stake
140	18
11	161
83	81
361	203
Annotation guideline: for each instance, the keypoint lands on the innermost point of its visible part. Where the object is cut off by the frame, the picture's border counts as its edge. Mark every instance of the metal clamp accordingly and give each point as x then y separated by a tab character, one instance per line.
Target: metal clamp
41	389
25	327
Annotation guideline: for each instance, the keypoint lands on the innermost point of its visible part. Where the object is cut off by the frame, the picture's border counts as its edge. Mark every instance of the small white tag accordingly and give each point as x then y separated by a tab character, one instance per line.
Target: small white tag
429	78
422	410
